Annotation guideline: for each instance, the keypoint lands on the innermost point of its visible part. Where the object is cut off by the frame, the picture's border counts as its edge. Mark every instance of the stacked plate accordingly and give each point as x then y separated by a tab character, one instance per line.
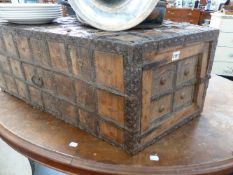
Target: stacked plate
30	13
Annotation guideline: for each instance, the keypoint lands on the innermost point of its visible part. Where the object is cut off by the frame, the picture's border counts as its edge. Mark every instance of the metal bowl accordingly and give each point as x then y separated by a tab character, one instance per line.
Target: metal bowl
113	15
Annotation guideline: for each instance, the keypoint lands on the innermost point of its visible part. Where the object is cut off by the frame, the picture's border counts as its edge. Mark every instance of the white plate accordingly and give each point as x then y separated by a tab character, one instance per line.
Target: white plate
31	10
31	21
29	17
32	17
29	5
29	14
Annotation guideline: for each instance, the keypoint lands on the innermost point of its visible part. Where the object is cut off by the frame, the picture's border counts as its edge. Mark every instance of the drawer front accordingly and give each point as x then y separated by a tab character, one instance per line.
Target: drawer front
224	54
225	39
160	107
163	80
183	97
223	68
186	70
172	86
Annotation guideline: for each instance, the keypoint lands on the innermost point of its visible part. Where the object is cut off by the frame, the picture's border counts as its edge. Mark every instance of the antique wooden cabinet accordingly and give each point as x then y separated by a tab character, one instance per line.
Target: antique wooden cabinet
193	16
128	88
183	15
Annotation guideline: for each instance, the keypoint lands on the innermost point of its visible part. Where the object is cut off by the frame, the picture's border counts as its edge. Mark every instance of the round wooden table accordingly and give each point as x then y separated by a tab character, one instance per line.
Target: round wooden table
204	146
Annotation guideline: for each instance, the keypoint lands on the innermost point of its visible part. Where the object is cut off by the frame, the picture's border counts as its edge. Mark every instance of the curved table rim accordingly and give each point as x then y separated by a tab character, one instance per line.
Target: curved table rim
21	146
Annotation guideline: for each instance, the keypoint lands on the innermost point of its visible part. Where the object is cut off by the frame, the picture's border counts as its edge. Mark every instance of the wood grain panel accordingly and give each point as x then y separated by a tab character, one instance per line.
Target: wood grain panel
81	62
111	106
2	81
167	124
109	70
160	107
22	89
111	132
163	78
35	95
9	44
23	48
166	55
58	56
4	64
39	52
16	68
146	95
203	63
187	70
183	97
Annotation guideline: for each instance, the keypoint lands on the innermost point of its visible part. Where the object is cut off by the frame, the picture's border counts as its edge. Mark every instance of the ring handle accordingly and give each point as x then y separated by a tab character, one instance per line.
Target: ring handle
37	81
186	72
161	108
163	81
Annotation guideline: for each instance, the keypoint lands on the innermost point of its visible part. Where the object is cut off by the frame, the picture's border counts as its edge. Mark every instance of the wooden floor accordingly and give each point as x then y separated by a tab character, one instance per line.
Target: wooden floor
204	146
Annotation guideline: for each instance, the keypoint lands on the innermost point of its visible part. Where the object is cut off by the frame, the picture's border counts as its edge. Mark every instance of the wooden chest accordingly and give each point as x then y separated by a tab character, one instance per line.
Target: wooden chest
128	88
183	15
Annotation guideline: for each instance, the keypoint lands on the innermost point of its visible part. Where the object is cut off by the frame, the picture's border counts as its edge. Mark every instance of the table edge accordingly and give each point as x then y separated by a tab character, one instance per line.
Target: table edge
97	168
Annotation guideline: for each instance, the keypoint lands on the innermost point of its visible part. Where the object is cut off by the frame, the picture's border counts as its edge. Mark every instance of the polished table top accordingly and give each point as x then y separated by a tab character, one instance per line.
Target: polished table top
203	146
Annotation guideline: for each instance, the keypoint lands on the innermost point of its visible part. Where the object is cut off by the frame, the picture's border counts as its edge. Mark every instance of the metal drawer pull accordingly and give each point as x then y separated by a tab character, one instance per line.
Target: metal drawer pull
163	81
161	108
37	81
182	96
186	72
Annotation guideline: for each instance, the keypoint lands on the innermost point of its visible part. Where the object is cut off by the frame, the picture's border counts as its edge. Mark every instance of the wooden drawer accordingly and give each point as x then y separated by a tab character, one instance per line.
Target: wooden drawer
162	80
171	87
187	69
183	97
160	107
223	68
225	39
224	54
183	15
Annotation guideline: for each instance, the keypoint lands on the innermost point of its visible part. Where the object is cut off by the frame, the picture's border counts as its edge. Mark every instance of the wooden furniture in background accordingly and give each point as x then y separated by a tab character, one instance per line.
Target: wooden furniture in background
204	146
193	16
5	1
223	61
183	15
203	2
204	15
